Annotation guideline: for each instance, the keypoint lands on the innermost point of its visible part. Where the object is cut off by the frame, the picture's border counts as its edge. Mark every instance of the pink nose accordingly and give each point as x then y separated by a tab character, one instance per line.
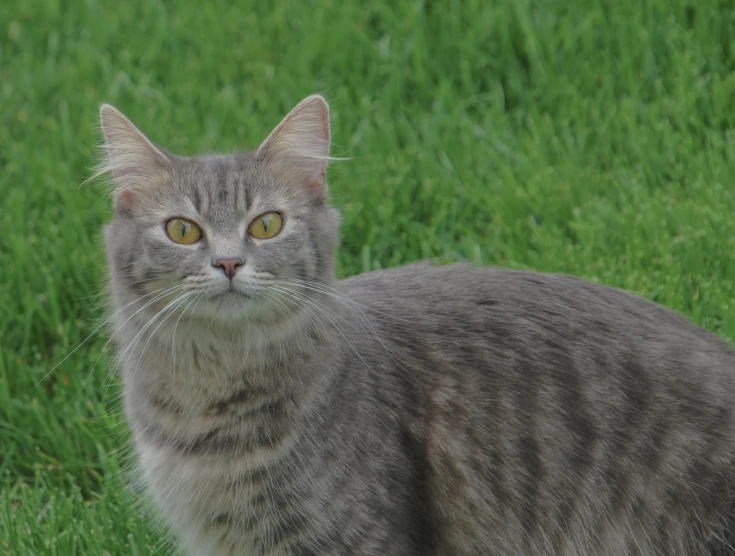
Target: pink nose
229	266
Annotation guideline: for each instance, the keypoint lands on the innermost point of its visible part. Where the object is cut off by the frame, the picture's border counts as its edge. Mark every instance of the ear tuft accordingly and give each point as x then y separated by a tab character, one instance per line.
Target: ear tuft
298	148
134	161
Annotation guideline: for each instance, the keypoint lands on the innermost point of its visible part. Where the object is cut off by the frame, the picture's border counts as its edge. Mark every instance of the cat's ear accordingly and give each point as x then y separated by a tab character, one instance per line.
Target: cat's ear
134	161
297	150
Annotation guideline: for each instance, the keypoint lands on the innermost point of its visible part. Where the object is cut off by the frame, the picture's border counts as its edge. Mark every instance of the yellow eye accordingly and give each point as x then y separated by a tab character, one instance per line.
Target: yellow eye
266	225
183	231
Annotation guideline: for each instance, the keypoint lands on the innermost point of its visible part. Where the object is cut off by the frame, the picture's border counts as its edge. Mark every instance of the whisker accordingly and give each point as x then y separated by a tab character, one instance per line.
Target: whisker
197	297
133	341
323	288
341	299
175	304
310	302
362	317
88	337
112	335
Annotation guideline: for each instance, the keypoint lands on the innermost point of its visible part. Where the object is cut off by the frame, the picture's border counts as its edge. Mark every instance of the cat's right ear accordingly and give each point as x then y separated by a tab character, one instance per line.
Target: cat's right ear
134	161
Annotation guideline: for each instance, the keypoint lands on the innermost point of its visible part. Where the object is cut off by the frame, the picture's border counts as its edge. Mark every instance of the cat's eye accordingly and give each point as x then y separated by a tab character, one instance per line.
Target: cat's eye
266	225
183	231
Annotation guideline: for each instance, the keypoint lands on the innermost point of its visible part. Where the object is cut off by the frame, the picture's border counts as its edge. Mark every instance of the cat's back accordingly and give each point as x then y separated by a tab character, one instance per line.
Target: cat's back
553	415
503	302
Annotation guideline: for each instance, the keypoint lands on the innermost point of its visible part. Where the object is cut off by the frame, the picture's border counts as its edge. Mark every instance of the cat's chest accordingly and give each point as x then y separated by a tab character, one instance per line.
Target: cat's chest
222	504
219	443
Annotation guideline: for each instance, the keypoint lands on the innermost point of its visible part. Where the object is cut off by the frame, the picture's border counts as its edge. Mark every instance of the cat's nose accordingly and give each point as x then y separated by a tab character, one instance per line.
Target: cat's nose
229	266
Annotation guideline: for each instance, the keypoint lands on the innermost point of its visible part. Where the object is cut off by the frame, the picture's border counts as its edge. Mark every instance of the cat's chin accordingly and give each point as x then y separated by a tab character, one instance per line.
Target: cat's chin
233	302
233	296
232	306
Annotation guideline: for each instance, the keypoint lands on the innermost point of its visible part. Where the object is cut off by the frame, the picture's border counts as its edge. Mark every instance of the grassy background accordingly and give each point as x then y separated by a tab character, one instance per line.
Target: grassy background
593	137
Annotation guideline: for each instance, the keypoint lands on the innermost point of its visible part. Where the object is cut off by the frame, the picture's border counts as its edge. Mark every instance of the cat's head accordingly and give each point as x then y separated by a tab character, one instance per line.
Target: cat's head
221	234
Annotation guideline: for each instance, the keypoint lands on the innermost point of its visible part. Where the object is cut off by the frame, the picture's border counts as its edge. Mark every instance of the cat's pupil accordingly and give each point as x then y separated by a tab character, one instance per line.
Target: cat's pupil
265	224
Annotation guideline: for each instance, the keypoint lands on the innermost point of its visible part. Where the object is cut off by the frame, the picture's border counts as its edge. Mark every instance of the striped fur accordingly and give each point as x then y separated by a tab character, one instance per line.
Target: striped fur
414	411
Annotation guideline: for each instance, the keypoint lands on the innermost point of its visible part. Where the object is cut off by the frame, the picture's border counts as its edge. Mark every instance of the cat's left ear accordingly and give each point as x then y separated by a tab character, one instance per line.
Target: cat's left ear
297	150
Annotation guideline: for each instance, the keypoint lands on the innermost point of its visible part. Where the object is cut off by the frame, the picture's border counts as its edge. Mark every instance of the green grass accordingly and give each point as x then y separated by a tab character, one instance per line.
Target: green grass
590	137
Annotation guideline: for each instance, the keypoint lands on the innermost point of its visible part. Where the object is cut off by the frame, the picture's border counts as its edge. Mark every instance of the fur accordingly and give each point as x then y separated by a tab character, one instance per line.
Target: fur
415	411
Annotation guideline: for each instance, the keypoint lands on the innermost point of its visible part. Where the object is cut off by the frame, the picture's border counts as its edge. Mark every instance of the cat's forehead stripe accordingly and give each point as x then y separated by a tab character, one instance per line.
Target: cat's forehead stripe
218	187
197	200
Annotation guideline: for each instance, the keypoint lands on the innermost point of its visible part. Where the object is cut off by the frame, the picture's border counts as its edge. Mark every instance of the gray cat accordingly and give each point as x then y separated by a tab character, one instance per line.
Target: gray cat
416	411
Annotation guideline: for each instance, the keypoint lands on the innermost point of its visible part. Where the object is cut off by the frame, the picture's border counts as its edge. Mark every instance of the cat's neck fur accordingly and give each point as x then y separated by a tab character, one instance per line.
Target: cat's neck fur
188	365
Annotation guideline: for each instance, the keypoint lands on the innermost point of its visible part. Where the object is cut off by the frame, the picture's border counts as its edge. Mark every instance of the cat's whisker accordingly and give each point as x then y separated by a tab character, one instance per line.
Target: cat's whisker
361	317
342	299
170	309
306	300
133	343
282	302
108	319
202	296
323	288
272	297
112	335
324	310
315	287
173	336
171	306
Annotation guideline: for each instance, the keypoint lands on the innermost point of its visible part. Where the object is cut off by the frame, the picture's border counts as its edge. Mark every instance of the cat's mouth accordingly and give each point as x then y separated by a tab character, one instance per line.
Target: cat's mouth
234	293
235	299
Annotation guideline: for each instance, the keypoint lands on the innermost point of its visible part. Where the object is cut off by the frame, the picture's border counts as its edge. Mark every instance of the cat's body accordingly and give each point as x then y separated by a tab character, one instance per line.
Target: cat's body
418	411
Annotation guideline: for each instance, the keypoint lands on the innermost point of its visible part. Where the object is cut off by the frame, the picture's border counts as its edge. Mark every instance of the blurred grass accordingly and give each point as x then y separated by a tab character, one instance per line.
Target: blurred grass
593	138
